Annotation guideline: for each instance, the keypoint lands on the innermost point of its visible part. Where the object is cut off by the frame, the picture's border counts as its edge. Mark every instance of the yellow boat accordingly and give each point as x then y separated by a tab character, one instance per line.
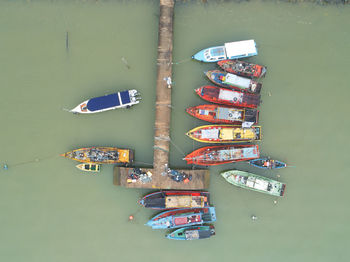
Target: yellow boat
101	155
225	133
90	167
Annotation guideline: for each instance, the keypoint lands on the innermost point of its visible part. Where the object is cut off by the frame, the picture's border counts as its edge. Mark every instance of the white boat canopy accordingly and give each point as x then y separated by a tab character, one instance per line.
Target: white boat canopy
239	48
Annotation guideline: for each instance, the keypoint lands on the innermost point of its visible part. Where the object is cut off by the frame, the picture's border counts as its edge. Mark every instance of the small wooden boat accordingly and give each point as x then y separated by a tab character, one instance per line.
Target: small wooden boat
267	163
217	155
192	233
225	134
101	155
254	182
182	217
123	99
229	97
90	167
243	68
232	50
169	199
229	80
225	115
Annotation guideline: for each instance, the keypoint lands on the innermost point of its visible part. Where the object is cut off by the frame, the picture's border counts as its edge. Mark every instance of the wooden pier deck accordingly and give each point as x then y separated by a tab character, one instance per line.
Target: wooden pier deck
200	178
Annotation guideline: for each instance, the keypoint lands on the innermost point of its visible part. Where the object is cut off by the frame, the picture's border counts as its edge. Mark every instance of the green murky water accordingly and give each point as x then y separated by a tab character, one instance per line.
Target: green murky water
52	212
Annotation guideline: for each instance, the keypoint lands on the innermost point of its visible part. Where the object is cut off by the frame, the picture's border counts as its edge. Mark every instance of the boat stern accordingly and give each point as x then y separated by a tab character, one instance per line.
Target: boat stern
283	189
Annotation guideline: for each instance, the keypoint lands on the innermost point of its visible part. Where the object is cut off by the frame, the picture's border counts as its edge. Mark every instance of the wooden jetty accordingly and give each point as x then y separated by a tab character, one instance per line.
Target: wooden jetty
200	178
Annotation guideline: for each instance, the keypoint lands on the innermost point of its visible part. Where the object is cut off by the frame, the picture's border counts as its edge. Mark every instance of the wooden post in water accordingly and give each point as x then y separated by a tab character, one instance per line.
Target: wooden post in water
163	99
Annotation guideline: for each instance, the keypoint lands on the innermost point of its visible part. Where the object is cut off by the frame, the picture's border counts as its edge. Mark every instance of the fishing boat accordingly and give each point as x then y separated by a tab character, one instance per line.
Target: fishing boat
217	155
124	99
231	50
90	167
168	199
182	217
101	155
229	80
229	97
267	163
243	68
225	115
225	134
192	233
254	182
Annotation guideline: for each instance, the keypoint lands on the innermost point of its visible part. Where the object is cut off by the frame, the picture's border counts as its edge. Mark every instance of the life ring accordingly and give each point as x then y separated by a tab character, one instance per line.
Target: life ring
235	99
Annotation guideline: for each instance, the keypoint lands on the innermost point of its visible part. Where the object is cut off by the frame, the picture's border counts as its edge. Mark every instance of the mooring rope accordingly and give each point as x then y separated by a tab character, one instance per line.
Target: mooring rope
182	61
36	160
178	148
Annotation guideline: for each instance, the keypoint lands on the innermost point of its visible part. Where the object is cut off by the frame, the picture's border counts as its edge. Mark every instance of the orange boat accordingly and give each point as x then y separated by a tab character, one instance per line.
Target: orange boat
229	97
225	134
217	155
224	115
101	155
243	68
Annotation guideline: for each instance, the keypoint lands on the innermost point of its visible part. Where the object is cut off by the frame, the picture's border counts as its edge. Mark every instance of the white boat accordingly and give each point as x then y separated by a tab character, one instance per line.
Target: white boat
124	99
232	50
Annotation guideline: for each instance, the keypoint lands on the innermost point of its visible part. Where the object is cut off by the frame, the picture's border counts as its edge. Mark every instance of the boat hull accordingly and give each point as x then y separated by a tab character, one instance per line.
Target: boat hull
182	217
169	199
228	80
254	182
229	97
124	99
192	233
101	155
267	163
225	134
89	167
224	115
224	154
231	50
243	68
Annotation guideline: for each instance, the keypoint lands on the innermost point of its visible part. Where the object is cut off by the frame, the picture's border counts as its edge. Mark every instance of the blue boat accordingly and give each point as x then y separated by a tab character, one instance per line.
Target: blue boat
123	99
182	217
267	163
192	233
232	50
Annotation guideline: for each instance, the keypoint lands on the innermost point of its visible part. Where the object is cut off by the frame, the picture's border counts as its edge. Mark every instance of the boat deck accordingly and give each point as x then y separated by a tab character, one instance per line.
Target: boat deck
200	179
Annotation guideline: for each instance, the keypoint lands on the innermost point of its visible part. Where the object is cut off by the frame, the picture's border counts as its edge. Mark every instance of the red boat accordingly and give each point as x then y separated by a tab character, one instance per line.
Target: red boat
217	155
224	115
230	97
243	68
169	199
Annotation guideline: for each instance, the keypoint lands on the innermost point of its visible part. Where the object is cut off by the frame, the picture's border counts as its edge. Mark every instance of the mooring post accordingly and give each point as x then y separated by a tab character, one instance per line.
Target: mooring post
163	89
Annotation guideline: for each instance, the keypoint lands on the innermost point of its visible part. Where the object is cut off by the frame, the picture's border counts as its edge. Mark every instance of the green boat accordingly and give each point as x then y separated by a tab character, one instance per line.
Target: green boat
192	233
254	182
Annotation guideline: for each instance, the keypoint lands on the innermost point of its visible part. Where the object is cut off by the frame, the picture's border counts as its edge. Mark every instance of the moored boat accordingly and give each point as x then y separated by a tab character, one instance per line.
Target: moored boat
254	182
169	199
231	50
182	217
230	97
225	134
101	155
217	155
225	115
229	80
90	167
123	99
243	68
267	163
192	233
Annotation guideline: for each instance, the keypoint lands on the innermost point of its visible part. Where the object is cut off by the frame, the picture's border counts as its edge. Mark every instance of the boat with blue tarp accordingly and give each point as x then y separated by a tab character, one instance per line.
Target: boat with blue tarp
232	50
124	99
267	163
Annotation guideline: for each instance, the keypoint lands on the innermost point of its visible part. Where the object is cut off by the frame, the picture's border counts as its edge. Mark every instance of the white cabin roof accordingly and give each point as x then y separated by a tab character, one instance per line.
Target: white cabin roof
240	48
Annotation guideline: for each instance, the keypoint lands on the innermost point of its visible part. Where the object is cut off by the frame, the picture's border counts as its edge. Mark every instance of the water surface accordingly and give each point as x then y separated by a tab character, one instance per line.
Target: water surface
53	212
